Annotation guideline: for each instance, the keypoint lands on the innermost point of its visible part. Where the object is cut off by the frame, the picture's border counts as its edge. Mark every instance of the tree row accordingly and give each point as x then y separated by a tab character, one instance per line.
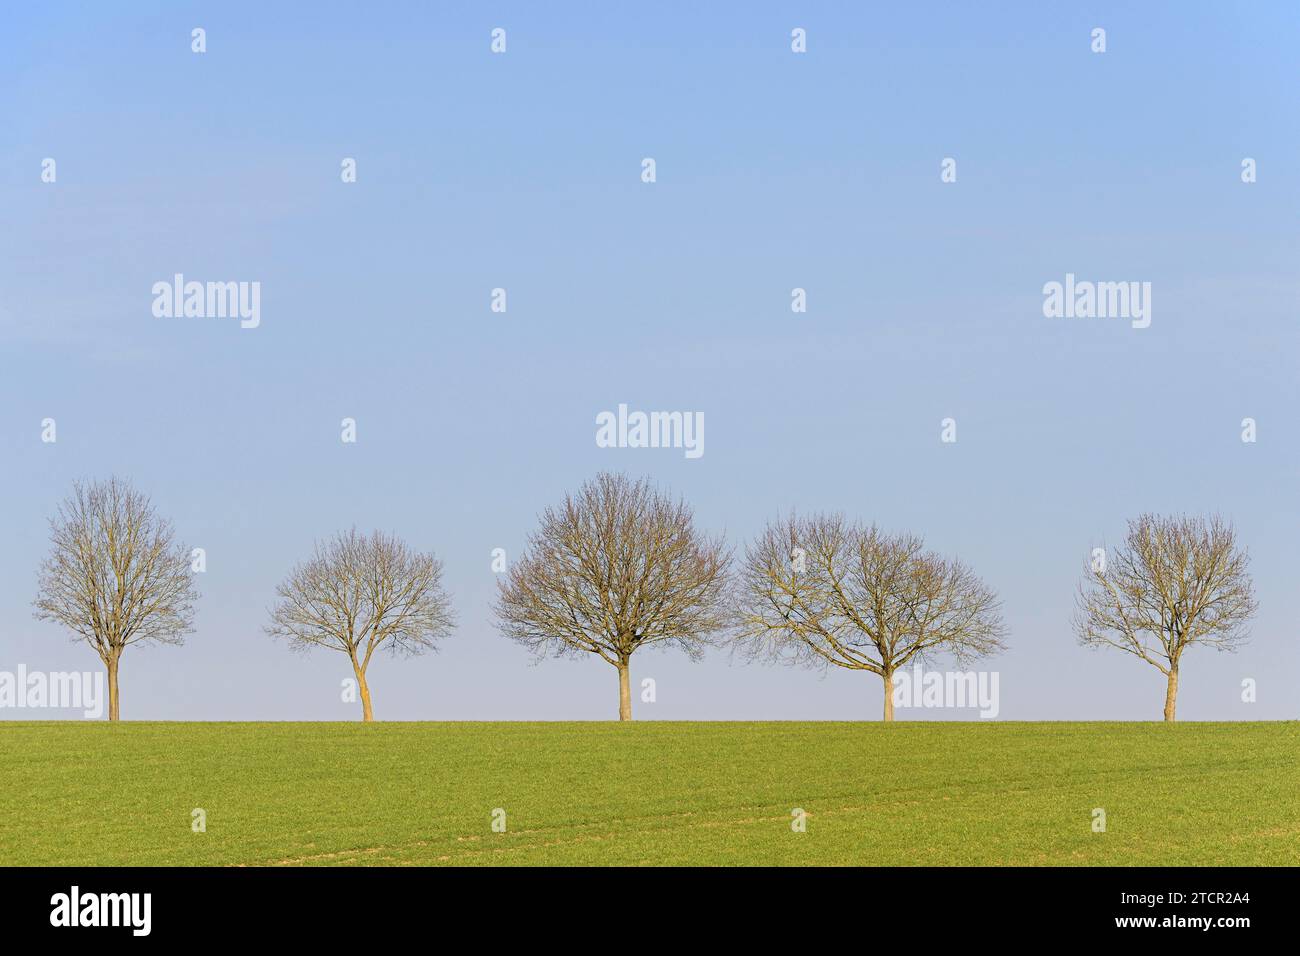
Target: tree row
621	565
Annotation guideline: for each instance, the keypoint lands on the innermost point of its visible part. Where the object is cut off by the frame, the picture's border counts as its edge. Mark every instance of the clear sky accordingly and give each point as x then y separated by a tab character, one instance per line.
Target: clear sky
775	170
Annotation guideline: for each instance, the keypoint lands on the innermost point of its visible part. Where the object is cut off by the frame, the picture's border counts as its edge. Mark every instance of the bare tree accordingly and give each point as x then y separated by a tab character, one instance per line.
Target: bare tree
821	592
115	575
358	593
617	567
1177	581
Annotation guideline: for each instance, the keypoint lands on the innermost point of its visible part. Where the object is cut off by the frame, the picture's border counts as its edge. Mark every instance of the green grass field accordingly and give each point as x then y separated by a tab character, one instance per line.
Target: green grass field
649	793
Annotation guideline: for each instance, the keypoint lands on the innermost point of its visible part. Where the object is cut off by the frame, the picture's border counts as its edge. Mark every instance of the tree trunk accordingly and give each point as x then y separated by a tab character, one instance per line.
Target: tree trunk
889	696
114	713
1171	695
624	692
367	715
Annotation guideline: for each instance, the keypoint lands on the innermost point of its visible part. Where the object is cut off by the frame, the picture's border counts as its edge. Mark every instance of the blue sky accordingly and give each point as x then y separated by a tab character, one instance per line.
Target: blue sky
774	171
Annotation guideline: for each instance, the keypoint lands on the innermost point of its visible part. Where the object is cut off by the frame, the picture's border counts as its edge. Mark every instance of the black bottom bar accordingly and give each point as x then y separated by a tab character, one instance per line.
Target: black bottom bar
344	905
